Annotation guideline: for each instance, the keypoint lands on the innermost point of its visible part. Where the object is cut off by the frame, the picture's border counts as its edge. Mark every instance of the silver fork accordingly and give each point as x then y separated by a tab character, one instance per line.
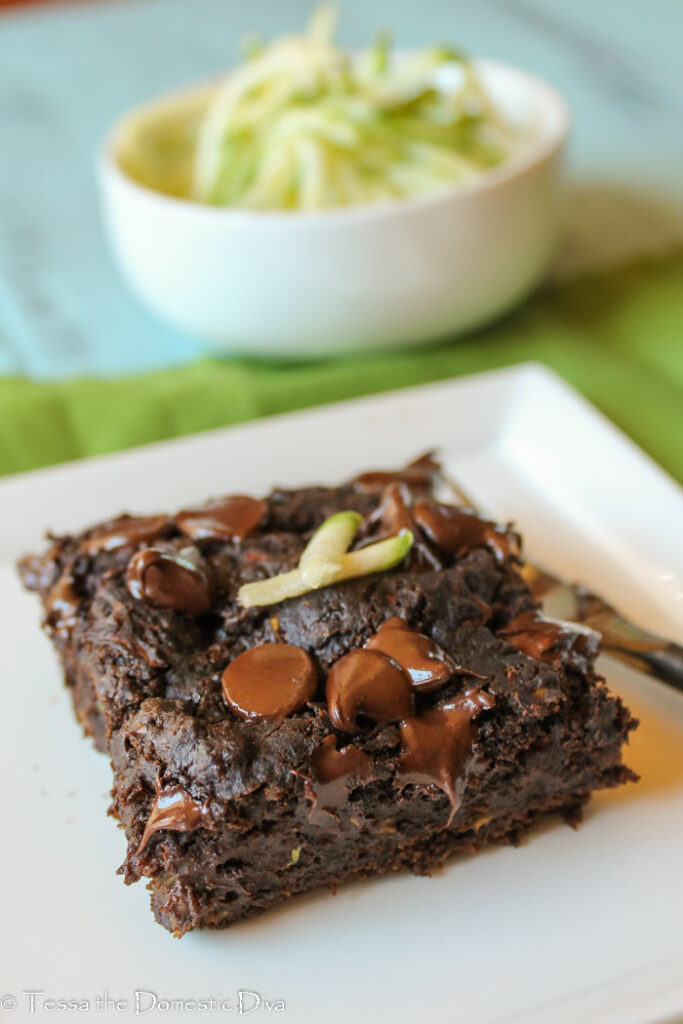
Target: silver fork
573	602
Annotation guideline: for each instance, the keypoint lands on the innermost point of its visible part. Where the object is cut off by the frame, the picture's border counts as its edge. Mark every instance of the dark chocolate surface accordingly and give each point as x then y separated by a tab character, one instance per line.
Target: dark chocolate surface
233	798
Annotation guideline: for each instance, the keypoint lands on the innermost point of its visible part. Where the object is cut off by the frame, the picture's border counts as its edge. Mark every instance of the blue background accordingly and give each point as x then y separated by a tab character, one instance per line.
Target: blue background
67	72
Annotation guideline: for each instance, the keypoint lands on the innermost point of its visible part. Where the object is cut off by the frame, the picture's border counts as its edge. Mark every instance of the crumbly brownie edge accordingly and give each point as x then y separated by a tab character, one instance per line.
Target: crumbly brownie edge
217	876
111	680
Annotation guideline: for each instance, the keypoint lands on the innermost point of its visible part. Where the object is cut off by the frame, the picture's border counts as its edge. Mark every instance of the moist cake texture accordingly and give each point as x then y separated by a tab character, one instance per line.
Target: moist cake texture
384	722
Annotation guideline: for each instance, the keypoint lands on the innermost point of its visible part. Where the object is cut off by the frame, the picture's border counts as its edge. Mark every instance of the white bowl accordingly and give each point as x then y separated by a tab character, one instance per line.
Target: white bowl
287	283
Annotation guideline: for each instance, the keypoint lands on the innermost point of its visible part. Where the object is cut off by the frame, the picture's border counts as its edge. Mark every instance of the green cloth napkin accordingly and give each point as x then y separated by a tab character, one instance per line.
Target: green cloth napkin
616	336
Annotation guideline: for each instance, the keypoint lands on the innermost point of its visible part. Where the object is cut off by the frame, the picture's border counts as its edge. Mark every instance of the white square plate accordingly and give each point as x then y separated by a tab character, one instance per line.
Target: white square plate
573	926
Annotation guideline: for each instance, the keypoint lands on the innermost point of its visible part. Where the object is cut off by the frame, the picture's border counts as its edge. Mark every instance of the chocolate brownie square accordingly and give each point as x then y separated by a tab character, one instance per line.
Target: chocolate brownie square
272	729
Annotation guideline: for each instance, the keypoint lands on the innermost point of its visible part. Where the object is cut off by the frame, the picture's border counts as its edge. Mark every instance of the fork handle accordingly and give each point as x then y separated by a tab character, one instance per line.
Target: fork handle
629	643
665	663
636	647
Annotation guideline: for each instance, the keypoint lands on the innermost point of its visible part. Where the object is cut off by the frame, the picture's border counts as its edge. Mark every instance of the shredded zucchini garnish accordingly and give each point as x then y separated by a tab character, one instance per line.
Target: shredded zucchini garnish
301	124
326	559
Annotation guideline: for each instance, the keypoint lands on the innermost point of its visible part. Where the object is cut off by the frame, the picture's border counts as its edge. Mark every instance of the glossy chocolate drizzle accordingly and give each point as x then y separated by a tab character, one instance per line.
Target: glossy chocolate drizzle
394	514
367	688
333	774
179	581
61	607
418	476
439	745
230	518
393	511
125	531
376	686
456	530
173	809
425	662
269	682
440	531
547	640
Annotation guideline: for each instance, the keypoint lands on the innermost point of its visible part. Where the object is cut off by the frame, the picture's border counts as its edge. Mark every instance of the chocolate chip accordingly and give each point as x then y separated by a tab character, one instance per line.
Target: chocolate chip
270	681
366	688
179	581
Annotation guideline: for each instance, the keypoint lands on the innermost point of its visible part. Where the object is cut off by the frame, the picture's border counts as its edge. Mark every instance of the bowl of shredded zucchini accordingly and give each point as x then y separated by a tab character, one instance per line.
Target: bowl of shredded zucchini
316	200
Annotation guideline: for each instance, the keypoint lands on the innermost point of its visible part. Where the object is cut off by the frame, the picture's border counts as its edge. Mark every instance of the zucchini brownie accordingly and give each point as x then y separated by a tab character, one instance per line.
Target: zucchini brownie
322	684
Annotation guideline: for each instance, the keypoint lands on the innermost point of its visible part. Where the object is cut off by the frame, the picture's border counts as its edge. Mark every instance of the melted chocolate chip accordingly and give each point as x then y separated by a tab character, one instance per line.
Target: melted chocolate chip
173	809
418	476
457	530
439	745
62	606
125	531
366	688
177	581
393	512
230	518
333	774
269	682
427	664
394	515
547	640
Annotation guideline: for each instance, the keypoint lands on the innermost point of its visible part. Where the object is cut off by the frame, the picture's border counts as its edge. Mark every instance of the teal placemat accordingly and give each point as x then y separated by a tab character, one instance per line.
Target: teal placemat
66	71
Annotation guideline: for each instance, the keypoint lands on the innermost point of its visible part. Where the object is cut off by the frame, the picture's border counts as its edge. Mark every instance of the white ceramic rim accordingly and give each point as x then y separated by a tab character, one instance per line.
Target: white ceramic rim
550	140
